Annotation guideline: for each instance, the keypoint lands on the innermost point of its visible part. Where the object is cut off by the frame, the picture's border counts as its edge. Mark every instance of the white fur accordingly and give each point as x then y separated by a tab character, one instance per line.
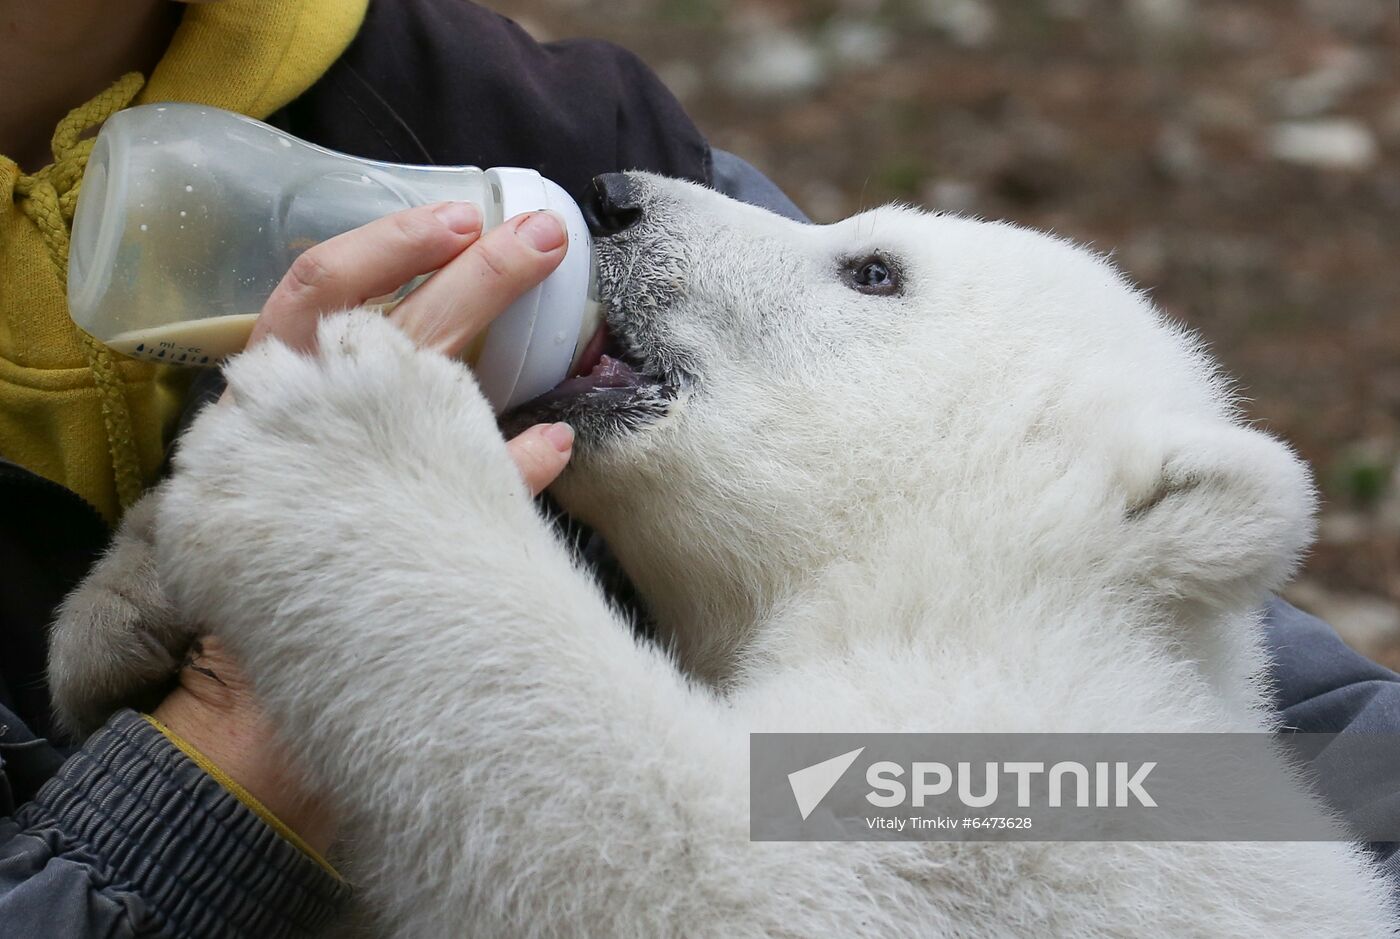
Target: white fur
116	641
1011	499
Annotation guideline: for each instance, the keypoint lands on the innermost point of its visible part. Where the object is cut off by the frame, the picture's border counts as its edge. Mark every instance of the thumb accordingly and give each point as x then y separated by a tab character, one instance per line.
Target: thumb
541	453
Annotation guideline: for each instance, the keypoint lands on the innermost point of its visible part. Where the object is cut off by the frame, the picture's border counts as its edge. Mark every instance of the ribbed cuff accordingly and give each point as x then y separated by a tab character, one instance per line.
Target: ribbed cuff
200	859
247	798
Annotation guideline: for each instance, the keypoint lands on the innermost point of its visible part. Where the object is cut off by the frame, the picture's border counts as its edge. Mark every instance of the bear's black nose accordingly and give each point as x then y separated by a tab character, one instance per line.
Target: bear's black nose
613	203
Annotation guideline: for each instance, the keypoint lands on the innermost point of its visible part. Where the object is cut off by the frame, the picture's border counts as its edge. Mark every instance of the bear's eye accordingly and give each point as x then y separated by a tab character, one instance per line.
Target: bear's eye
871	274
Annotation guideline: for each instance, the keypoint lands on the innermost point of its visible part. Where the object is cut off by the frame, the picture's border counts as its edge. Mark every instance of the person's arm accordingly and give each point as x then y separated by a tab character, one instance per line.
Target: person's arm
1322	686
132	838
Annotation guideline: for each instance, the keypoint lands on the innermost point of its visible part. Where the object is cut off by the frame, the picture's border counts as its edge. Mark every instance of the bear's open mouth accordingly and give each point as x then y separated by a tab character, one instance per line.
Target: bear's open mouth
610	389
604	364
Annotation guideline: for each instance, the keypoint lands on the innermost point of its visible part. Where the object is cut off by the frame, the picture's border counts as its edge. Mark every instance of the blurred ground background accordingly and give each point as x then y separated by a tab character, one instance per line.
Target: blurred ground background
1240	158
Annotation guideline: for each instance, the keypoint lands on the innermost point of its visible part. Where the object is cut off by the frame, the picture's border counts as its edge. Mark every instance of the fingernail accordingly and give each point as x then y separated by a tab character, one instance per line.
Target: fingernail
542	231
561	435
462	217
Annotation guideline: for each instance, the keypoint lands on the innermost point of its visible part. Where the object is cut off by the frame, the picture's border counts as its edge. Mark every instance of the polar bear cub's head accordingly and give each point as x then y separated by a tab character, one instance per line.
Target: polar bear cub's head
776	396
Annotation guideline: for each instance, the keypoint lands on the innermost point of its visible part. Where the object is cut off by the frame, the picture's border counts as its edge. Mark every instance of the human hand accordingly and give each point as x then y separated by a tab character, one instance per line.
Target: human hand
477	279
213	709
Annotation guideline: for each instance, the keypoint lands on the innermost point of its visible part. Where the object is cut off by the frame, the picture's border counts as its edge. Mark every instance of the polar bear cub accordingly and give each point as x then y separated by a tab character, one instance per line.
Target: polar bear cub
906	472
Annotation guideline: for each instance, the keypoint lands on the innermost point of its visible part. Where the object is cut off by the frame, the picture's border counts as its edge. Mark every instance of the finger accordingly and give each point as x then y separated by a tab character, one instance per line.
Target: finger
357	266
459	301
541	453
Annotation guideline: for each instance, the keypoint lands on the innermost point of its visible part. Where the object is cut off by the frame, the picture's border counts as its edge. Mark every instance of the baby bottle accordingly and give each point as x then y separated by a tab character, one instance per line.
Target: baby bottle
189	216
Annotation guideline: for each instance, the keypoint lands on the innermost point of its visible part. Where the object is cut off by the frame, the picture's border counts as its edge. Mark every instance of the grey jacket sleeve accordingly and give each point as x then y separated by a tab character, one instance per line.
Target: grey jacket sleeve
1322	686
739	179
131	839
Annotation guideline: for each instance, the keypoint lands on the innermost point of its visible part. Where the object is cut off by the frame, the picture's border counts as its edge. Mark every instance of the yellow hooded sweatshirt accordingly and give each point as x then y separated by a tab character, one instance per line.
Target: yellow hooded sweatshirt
72	410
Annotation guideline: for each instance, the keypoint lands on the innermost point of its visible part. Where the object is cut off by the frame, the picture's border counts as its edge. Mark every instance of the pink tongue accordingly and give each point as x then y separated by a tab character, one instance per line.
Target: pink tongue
612	373
608	373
